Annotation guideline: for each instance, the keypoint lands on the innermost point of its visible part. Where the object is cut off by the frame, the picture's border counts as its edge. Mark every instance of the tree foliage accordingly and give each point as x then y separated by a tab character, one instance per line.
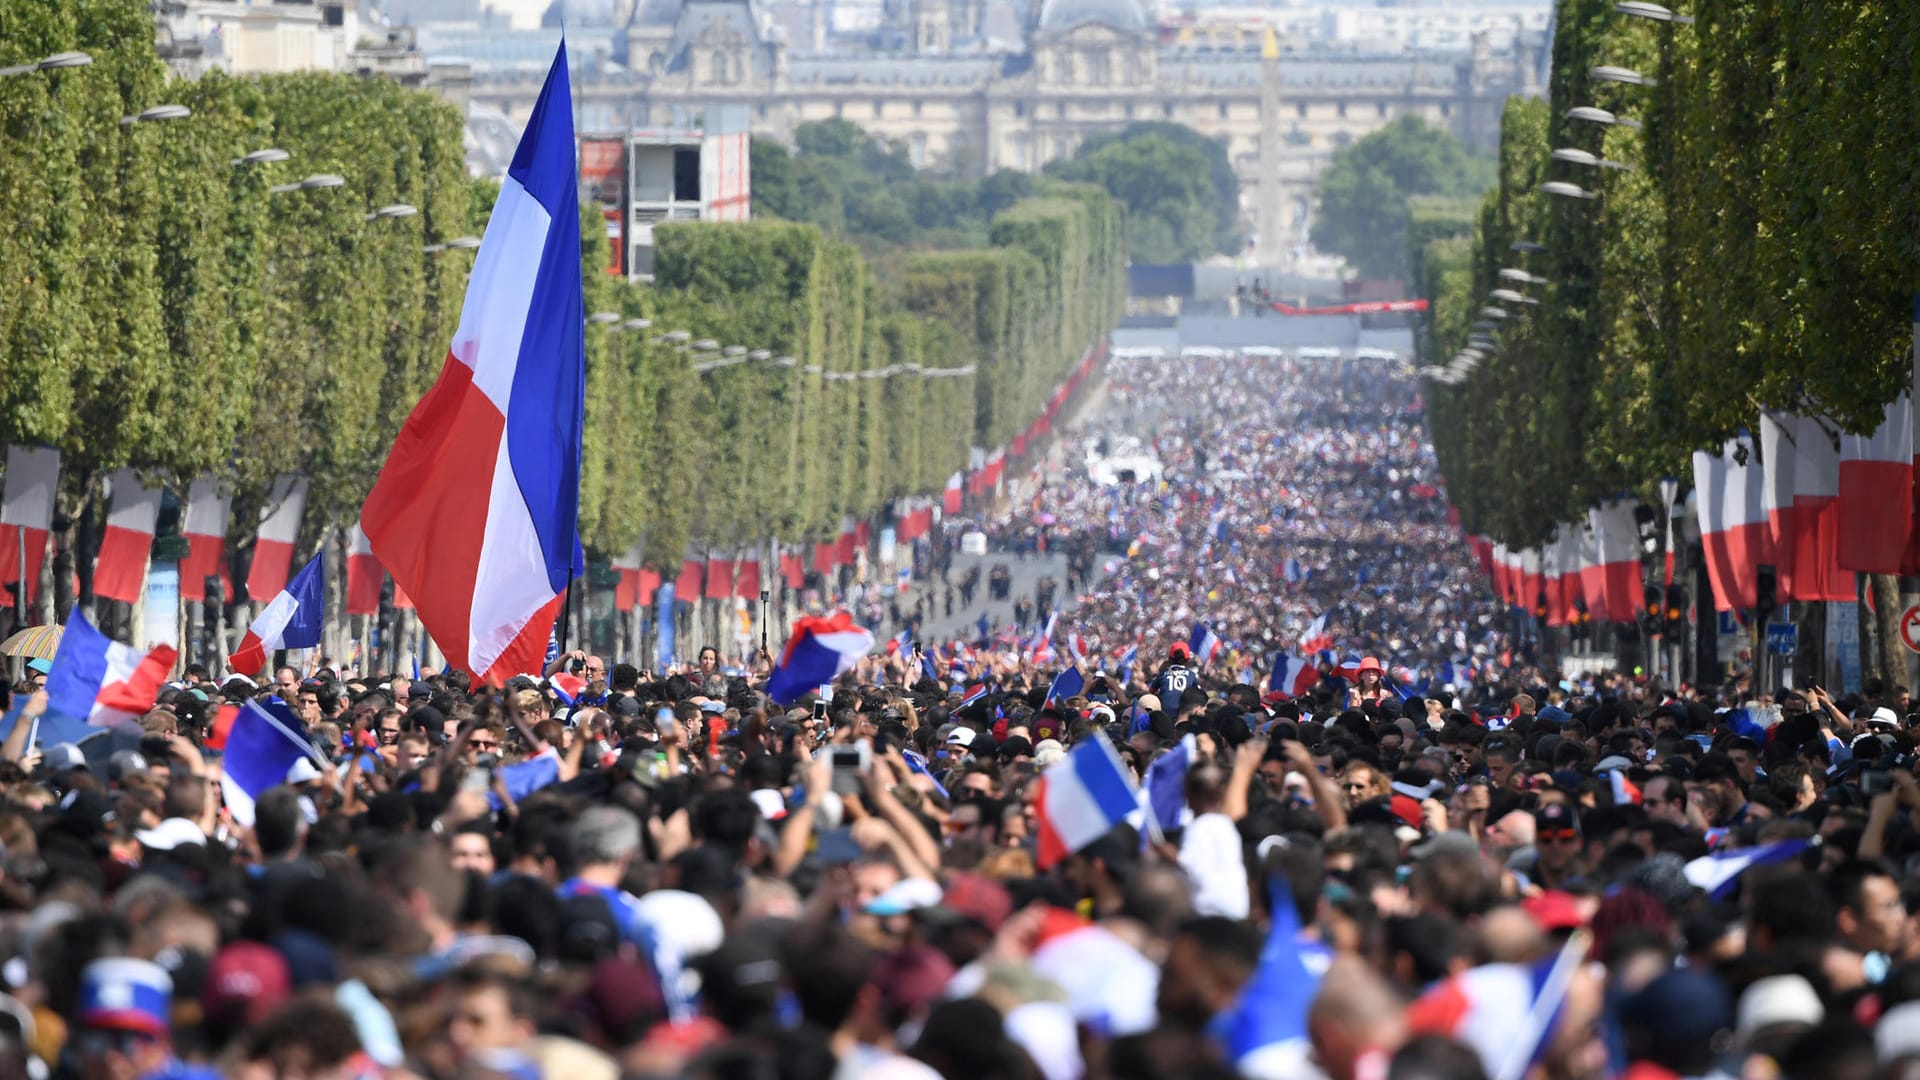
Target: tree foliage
1760	254
168	311
1365	194
1179	188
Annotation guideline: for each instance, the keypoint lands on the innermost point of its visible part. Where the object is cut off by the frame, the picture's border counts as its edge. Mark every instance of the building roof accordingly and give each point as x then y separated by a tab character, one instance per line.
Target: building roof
891	70
1127	15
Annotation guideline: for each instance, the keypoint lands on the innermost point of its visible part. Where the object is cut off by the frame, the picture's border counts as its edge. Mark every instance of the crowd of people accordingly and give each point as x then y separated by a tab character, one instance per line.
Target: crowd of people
601	871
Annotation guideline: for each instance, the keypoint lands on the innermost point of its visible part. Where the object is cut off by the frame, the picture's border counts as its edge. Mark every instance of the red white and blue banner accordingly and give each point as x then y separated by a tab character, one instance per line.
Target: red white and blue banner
476	512
293	619
821	649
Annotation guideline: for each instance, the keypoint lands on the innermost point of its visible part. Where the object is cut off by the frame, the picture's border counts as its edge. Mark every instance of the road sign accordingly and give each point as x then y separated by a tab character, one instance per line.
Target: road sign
1910	628
1783	638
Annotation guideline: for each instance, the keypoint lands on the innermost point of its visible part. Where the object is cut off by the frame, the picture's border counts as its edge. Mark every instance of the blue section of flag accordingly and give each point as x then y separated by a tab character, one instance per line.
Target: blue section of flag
1719	873
309	591
524	778
261	746
73	684
1166	783
549	383
1127	660
926	667
663	628
1065	685
917	762
1272	1007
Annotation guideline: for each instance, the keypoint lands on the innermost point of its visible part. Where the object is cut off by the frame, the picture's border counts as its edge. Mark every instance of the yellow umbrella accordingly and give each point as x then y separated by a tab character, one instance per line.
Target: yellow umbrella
34	641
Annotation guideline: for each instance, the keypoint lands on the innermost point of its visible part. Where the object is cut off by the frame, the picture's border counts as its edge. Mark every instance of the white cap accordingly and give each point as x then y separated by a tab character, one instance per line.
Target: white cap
1778	999
684	921
962	736
907	894
171	833
1898	1033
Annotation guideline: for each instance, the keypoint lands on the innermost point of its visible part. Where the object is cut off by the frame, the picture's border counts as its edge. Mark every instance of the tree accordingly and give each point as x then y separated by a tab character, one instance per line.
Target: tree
1165	184
1225	204
1363	195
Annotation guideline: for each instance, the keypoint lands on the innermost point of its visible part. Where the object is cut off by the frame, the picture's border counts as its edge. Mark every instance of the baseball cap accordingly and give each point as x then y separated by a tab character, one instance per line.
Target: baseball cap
974	897
1553	910
1555	817
121	993
1778	999
61	757
246	982
123	763
1179	650
419	692
960	736
41	665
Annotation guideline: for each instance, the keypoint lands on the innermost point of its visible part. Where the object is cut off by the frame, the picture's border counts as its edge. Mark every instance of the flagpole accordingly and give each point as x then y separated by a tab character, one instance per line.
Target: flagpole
566	609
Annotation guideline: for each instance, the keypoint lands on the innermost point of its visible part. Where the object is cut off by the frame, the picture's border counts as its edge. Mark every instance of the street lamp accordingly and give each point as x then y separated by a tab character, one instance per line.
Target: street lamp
706	344
602	318
760	354
785	362
1640	9
261	157
1492	312
1581	157
1610	73
458	243
734	350
50	63
1527	247
315	182
1566	190
636	324
394	210
675	337
1592	115
158	112
1512	296
1511	273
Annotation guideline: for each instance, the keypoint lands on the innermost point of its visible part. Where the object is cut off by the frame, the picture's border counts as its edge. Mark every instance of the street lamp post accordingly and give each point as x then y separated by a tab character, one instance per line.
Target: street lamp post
55	62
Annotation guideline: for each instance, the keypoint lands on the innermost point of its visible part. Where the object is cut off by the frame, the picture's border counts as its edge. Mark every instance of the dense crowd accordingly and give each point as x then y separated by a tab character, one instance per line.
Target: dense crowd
601	871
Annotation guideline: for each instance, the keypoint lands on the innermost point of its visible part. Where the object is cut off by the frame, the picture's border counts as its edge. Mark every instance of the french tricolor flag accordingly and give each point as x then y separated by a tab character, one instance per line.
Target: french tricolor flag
1733	522
1082	798
1506	1013
97	682
1292	675
476	510
950	498
363	574
1204	643
821	649
1876	493
626	595
26	513
273	543
291	620
120	570
204	521
1618	572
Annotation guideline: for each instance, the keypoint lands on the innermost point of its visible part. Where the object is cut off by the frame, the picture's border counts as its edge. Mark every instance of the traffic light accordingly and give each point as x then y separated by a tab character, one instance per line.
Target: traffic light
1675	616
1540	605
1650	612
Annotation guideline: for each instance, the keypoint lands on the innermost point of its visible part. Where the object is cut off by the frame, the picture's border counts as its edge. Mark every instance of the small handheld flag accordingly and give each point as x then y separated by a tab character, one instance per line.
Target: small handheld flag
292	620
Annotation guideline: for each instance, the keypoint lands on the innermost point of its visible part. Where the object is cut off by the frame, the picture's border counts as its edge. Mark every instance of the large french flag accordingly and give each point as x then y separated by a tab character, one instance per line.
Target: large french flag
1292	675
1506	1013
273	543
1733	522
1204	643
820	650
1500	588
746	574
97	682
1082	797
204	523
1617	538
1876	493
120	570
719	574
476	512
292	620
263	745
363	574
1802	467
950	498
26	513
626	594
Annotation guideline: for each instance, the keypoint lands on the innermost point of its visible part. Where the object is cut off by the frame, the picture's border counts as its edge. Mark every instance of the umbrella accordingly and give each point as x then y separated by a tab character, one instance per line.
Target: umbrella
34	641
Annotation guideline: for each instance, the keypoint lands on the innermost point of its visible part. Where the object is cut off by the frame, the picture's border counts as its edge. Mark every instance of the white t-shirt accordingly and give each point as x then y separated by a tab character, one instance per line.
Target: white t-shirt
1210	854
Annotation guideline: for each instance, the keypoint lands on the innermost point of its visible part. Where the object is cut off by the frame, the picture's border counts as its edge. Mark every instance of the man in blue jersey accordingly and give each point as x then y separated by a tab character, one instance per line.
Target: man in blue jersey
602	844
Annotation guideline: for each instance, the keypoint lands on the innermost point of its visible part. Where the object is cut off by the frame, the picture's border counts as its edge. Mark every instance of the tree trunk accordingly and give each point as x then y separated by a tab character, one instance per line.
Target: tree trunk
1889	655
1807	662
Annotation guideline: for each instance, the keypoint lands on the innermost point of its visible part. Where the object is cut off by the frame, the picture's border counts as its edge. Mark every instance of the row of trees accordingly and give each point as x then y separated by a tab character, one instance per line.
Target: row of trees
168	310
1758	251
1179	190
1377	193
1761	252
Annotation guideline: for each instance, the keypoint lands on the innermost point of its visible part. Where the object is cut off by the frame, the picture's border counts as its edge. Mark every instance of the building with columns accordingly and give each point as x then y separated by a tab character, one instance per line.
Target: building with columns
962	94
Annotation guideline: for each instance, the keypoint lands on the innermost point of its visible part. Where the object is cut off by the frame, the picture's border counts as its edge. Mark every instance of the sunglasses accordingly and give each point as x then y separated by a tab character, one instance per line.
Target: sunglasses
1560	836
484	744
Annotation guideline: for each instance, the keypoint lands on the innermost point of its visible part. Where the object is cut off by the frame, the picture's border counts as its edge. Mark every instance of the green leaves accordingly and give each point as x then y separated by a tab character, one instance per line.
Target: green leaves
1364	194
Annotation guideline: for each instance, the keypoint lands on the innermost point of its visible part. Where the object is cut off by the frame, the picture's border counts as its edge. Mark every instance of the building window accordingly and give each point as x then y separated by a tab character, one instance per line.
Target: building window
876	110
1019	108
1223	110
1167	111
1340	109
1300	109
1129	110
839	108
1060	110
760	110
917	150
1382	107
916	108
1446	108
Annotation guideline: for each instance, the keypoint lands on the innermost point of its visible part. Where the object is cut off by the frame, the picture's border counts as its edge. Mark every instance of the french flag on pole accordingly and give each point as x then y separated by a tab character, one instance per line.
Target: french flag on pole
120	570
1082	797
821	649
1292	676
1040	646
1065	685
97	682
476	510
26	514
263	745
1204	643
1719	873
204	522
363	575
273	543
292	620
1506	1013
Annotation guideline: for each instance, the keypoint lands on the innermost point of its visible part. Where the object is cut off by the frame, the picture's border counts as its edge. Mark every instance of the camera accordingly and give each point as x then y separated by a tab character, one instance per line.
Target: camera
850	764
1875	779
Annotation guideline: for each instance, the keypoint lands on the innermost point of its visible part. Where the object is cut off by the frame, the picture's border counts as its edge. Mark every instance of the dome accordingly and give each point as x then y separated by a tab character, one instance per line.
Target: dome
1127	15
